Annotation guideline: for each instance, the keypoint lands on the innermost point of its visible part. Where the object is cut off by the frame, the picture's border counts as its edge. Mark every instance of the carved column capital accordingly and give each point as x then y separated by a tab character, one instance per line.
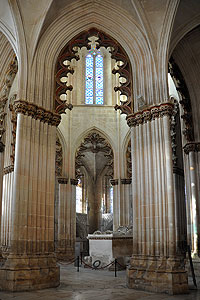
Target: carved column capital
2	146
114	181
126	181
37	112
62	180
192	147
73	181
8	169
149	114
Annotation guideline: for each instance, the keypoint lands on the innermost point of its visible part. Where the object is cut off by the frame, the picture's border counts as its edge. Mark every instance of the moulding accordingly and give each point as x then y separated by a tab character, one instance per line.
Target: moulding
192	147
8	169
62	180
114	181
126	181
149	114
73	181
185	101
37	112
94	143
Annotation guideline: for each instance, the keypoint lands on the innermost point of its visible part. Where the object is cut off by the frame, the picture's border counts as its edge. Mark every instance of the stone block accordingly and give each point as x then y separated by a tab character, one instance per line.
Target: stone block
157	280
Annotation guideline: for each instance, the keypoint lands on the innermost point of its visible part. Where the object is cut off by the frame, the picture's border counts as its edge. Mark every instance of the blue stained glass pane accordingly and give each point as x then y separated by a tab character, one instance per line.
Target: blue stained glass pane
99	93
99	100
99	61
89	92
89	79
89	61
89	84
99	79
89	100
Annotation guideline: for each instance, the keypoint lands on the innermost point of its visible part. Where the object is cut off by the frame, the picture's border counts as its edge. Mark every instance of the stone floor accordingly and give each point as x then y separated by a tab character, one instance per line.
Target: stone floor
94	285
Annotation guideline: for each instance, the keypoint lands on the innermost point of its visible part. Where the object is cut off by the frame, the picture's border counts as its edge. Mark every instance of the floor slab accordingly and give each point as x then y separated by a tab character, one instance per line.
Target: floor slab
95	285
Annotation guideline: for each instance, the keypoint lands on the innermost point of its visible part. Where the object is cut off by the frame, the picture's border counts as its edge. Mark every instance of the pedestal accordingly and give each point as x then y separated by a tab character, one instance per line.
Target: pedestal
158	275
25	273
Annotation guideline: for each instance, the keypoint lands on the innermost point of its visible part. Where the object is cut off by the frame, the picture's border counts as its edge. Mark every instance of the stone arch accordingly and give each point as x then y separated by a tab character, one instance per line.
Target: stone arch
70	51
54	39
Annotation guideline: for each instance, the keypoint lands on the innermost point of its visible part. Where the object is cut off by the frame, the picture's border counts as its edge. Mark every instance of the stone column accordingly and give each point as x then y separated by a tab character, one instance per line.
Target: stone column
192	171
125	202
116	204
72	199
31	261
64	218
157	264
2	146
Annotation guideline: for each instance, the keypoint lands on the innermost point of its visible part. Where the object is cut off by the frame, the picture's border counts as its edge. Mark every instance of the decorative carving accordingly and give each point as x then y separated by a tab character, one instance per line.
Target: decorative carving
59	159
8	169
2	146
62	180
94	143
114	182
37	112
4	96
14	128
128	160
73	181
70	52
173	132
178	171
181	87
147	115
126	181
192	147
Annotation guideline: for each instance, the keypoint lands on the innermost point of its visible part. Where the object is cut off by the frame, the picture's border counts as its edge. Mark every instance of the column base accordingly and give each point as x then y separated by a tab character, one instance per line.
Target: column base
65	254
25	272
159	275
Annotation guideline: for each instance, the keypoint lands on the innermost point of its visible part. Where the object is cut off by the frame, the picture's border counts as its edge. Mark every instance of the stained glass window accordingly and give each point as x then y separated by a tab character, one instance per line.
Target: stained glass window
94	78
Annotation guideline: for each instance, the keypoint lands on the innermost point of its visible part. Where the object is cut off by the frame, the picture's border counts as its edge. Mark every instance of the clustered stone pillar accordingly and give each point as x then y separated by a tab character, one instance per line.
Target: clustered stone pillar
157	263
116	204
31	261
192	155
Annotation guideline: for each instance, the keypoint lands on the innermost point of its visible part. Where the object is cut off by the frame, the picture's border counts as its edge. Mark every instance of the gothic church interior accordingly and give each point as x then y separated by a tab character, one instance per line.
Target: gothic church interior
99	137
